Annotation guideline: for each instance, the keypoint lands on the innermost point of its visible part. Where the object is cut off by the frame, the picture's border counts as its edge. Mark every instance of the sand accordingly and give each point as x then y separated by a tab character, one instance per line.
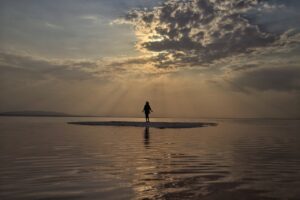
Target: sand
160	125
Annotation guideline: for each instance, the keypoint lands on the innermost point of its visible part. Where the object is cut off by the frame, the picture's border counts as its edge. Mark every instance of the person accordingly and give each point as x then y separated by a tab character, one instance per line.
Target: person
147	109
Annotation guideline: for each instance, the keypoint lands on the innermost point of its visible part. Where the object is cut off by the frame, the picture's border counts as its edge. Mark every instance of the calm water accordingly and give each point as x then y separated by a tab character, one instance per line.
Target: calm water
45	158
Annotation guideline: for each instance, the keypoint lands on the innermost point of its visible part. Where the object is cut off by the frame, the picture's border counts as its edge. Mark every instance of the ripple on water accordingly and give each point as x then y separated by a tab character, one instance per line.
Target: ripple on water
240	161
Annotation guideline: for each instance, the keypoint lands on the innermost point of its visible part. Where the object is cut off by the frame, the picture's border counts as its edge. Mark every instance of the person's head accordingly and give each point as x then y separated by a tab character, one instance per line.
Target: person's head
147	102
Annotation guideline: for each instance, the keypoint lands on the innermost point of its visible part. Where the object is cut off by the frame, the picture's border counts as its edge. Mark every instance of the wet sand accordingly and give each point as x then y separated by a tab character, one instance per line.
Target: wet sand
160	125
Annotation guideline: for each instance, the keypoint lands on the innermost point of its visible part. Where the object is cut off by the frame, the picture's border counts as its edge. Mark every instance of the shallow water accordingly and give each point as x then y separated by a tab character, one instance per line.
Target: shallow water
46	158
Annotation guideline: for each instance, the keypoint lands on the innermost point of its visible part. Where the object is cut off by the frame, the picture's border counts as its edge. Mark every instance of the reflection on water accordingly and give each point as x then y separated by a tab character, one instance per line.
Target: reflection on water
146	136
49	159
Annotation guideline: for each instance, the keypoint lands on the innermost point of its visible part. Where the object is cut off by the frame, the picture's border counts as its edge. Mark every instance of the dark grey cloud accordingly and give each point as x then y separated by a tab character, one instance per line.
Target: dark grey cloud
129	61
23	66
14	66
196	32
272	78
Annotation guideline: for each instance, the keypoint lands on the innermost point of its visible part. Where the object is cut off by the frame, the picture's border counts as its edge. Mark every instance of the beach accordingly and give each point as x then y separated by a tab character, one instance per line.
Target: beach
47	158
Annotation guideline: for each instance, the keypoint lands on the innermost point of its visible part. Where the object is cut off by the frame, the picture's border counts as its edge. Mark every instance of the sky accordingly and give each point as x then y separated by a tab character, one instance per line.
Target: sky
189	58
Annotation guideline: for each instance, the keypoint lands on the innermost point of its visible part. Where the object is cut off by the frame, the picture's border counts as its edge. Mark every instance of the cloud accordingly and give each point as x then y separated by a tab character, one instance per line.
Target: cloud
53	26
38	68
271	78
198	32
66	29
101	69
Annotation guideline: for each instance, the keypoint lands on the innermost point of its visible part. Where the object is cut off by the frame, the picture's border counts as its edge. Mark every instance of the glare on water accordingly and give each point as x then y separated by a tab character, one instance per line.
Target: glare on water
46	158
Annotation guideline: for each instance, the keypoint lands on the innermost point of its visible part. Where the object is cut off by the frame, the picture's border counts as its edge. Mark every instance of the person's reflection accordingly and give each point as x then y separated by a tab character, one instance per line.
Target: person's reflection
146	136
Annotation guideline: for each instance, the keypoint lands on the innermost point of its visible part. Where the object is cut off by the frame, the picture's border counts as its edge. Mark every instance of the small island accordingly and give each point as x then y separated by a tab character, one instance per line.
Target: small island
160	125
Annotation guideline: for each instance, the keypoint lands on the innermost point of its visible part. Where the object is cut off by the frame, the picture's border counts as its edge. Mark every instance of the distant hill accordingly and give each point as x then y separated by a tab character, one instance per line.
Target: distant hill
35	113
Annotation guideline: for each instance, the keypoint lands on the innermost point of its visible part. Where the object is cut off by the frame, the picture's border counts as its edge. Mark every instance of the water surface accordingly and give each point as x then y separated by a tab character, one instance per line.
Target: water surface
46	158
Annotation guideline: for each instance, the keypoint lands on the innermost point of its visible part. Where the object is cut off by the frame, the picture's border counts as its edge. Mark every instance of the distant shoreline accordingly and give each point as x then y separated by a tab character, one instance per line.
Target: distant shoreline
7	115
57	114
217	118
39	114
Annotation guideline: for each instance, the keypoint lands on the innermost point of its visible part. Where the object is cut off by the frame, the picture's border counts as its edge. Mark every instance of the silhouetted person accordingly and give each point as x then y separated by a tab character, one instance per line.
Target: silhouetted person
147	109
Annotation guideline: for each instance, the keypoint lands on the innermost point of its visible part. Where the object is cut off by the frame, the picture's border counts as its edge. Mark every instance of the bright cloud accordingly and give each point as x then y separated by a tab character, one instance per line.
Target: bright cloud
194	33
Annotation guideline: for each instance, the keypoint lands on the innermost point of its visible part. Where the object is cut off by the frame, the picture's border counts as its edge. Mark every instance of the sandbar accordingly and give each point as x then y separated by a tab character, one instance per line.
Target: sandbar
160	125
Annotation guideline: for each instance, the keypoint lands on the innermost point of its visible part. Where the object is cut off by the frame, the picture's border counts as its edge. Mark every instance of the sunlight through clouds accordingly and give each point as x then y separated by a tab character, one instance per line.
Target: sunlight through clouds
187	57
200	31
